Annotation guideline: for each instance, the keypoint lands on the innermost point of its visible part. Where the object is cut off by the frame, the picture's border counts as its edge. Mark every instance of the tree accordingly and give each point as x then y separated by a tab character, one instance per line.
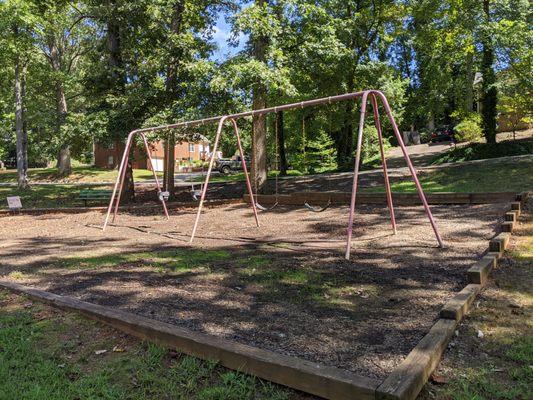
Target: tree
63	36
16	23
489	92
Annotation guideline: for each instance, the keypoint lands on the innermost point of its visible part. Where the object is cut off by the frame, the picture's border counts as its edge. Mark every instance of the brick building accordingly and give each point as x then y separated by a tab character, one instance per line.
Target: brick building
185	152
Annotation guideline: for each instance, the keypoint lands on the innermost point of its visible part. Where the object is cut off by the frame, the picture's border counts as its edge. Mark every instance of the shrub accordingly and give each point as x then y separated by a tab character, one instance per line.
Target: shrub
469	129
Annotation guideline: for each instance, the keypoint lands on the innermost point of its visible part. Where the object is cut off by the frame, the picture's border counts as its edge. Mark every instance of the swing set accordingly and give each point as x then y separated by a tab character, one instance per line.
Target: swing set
365	96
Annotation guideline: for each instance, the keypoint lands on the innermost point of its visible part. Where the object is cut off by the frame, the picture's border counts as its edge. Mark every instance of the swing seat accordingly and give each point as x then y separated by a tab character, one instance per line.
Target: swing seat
163	196
263	208
317	209
196	194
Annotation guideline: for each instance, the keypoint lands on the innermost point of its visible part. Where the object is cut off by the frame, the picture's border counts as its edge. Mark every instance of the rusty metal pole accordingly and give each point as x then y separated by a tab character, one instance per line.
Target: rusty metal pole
245	170
383	161
155	174
356	175
118	181
410	165
122	178
206	182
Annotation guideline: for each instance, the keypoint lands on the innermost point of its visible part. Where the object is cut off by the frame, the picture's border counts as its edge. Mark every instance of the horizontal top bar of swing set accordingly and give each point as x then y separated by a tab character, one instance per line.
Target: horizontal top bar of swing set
291	106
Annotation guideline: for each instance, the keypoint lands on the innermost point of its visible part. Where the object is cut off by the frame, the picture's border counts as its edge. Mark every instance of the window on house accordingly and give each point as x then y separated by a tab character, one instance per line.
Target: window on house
110	160
191	147
111	146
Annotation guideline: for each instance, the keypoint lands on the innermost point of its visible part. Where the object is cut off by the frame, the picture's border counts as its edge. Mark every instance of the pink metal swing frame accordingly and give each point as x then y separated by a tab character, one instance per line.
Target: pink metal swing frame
364	95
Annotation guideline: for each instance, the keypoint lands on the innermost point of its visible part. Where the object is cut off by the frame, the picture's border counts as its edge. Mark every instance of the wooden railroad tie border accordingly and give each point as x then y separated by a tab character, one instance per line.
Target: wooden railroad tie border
499	243
403	383
480	271
314	378
457	307
124	208
406	380
402	199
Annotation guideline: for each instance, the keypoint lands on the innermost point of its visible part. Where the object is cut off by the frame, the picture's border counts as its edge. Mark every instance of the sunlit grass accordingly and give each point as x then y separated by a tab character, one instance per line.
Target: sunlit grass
171	260
80	174
51	355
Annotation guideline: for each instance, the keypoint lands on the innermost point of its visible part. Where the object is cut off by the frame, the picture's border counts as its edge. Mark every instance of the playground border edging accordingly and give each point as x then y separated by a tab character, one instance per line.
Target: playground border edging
407	380
404	382
314	378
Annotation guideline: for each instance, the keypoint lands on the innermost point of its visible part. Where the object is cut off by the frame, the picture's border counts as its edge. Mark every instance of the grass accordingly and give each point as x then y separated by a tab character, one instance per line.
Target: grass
499	365
492	176
179	260
80	174
503	176
480	151
50	354
48	196
239	176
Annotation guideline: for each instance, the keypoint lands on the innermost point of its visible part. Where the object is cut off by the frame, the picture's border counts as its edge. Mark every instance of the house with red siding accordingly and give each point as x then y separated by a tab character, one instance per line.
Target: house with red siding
185	152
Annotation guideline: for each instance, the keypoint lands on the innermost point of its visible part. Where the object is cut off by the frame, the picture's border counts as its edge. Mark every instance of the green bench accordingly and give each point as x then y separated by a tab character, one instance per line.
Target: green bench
90	194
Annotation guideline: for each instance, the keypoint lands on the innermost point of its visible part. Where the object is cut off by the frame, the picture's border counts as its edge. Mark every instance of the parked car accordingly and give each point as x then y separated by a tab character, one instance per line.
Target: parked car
444	133
228	165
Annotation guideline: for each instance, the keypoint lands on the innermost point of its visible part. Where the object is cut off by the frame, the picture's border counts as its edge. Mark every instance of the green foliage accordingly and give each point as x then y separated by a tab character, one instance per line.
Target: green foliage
481	151
424	55
469	129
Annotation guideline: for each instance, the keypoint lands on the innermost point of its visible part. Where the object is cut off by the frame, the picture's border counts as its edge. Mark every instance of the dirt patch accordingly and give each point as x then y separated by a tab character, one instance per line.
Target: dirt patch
284	287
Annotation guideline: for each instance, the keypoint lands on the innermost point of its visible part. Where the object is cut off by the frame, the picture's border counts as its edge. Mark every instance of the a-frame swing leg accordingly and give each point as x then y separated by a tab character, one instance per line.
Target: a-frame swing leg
210	169
411	167
356	174
407	159
377	123
163	202
119	183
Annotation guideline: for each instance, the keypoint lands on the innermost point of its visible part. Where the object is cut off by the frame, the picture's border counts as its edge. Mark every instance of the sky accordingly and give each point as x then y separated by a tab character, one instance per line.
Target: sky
222	32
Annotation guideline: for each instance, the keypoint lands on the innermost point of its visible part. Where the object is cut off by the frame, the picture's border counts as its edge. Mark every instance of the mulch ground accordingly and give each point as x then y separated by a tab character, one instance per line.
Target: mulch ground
283	287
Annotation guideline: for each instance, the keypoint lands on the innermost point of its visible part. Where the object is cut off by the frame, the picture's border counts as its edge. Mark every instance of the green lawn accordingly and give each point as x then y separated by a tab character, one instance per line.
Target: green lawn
481	151
50	354
80	174
500	364
503	176
48	196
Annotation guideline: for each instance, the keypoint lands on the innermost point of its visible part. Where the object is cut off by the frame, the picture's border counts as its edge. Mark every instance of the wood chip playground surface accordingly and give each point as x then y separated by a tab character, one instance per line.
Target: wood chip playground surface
284	287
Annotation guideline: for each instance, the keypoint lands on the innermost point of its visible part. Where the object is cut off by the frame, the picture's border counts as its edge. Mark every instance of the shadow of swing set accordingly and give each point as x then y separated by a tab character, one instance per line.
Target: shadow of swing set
365	96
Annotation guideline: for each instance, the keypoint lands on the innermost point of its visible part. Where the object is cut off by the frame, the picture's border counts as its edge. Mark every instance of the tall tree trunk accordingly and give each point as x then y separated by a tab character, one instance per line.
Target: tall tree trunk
281	144
469	84
22	140
118	83
489	92
259	131
63	158
170	163
24	112
170	88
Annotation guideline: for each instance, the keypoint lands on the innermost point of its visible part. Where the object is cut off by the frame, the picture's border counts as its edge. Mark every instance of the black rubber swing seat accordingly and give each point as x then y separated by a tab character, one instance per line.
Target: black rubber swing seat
317	209
263	208
196	194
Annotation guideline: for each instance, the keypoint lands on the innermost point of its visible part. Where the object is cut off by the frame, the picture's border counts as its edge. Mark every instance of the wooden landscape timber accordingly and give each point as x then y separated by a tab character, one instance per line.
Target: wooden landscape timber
314	378
479	272
124	208
401	199
406	380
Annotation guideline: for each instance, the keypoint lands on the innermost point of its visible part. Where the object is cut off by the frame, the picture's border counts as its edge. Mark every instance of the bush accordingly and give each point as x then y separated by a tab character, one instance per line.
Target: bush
469	129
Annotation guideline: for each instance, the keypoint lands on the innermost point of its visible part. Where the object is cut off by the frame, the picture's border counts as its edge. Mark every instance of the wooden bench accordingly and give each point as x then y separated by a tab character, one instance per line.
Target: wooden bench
90	194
